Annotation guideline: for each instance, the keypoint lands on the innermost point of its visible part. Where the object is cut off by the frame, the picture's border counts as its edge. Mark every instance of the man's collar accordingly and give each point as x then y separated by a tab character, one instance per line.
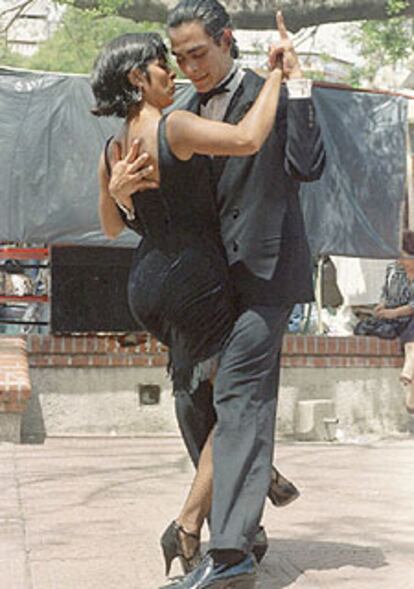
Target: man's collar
230	74
223	88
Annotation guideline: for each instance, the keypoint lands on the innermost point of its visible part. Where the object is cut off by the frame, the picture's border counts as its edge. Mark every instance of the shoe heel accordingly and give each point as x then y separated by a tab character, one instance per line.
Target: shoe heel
169	547
168	557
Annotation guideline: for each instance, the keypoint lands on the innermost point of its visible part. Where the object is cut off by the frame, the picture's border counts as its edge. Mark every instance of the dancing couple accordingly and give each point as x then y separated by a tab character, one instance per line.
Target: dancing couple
222	260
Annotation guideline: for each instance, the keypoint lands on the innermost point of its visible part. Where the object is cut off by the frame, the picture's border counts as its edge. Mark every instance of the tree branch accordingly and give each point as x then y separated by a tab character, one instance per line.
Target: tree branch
259	14
15	7
306	13
16	11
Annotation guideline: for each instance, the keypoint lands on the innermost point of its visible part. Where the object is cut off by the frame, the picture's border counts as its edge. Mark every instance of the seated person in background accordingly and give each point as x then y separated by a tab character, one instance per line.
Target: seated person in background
397	303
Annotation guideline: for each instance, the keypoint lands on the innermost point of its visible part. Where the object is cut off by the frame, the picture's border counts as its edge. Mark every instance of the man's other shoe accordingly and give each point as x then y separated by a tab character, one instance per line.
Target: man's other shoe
281	491
209	575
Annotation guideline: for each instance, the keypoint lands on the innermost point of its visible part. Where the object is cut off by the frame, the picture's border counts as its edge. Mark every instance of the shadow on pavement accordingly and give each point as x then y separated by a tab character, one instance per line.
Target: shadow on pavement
288	559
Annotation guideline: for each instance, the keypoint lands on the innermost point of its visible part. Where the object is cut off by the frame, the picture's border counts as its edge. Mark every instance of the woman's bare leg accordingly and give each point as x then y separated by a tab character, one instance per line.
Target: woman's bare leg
407	376
198	503
409	398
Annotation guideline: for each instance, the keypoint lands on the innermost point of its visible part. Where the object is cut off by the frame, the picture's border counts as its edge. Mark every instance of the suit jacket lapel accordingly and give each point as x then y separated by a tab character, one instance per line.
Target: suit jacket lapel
240	103
194	104
243	98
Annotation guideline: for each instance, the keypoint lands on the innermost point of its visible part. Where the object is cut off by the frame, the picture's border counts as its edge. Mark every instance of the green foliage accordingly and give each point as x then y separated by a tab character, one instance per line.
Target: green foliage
103	7
316	76
395	7
76	43
356	77
384	42
10	59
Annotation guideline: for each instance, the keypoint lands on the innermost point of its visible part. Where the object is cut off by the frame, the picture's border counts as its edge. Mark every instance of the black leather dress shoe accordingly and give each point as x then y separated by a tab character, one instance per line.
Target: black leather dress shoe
281	491
209	575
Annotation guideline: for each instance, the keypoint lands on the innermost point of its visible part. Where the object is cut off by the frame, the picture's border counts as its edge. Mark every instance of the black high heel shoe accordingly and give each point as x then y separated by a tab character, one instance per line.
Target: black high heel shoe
171	545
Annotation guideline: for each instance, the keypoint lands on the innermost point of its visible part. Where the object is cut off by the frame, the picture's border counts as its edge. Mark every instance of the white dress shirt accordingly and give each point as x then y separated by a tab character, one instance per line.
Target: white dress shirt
216	107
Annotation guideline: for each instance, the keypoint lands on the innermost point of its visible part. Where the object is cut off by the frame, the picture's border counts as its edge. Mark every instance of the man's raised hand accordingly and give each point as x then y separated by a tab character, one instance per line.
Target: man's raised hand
283	52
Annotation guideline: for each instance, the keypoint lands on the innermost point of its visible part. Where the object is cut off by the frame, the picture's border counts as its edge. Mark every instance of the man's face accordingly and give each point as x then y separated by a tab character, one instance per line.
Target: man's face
199	57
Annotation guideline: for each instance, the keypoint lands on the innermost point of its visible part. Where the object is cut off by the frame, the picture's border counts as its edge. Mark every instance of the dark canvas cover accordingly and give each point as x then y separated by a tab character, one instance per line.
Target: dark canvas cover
50	145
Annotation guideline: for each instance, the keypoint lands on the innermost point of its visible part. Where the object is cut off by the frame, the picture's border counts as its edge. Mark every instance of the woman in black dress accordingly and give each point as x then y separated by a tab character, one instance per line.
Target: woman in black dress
179	288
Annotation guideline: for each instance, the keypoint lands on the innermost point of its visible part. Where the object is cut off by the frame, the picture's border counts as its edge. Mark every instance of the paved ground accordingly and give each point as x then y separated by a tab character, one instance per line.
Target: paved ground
87	514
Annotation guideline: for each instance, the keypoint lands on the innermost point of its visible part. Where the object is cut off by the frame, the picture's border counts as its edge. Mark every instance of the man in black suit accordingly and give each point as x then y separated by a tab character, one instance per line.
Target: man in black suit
264	236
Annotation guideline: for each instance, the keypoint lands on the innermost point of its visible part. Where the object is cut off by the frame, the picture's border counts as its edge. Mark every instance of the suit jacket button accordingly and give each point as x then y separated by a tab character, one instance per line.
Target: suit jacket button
236	213
235	246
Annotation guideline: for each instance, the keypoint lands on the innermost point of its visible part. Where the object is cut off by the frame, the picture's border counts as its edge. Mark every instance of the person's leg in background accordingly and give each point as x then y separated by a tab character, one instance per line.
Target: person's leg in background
407	376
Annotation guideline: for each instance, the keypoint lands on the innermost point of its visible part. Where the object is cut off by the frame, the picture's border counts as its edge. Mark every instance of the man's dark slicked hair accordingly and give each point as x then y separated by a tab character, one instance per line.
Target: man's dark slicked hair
211	15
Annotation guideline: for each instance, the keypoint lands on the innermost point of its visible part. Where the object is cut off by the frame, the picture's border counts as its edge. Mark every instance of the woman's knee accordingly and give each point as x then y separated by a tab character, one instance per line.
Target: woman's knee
407	374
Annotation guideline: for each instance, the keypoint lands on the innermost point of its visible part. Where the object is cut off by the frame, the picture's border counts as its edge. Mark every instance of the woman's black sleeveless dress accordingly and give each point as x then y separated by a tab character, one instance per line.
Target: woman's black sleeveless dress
179	288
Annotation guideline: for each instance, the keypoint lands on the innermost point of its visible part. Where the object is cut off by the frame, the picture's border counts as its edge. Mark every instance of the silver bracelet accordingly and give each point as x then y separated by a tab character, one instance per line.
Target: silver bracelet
130	214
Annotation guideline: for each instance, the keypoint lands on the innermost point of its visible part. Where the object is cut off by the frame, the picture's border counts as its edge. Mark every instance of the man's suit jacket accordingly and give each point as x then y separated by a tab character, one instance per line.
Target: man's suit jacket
261	221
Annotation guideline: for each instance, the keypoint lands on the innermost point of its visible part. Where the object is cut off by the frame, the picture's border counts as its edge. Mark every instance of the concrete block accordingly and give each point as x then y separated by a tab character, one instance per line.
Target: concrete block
10	427
315	419
100	401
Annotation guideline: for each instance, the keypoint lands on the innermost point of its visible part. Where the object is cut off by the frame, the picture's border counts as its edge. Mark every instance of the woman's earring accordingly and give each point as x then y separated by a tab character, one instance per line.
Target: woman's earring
138	94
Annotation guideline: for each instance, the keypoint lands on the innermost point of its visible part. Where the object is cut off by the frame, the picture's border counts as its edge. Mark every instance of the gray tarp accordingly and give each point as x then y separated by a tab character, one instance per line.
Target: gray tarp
50	146
356	208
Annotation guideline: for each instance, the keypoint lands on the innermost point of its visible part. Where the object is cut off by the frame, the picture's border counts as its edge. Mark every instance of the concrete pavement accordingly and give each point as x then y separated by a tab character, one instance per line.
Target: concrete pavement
88	513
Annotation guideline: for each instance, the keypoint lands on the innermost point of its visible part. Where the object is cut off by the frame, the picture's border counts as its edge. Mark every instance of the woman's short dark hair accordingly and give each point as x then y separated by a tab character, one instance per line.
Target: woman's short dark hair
112	90
408	242
210	13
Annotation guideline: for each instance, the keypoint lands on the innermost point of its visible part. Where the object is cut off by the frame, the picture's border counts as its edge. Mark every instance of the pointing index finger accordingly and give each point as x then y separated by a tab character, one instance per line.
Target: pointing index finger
280	23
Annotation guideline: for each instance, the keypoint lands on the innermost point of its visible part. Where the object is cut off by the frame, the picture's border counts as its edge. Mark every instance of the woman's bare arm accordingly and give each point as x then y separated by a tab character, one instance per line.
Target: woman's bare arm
189	134
403	311
111	221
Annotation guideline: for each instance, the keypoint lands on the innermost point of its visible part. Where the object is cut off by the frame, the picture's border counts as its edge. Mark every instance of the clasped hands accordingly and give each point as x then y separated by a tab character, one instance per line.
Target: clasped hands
132	173
382	312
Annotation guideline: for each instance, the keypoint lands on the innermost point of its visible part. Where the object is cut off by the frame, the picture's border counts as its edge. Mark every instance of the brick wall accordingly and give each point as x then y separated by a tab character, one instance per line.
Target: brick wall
15	387
102	396
298	351
93	350
340	352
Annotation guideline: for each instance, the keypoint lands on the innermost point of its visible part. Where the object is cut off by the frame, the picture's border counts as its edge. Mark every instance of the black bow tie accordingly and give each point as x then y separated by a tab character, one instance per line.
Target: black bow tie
221	89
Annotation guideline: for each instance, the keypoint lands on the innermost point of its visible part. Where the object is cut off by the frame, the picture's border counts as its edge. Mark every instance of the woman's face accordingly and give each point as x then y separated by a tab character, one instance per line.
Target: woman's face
158	85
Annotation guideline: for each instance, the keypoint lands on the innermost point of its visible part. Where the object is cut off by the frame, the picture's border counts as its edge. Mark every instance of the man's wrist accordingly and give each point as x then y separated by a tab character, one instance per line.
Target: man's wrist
299	88
296	73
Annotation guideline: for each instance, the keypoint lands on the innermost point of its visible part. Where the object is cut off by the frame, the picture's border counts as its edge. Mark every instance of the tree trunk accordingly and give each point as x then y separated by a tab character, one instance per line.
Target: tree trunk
259	14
